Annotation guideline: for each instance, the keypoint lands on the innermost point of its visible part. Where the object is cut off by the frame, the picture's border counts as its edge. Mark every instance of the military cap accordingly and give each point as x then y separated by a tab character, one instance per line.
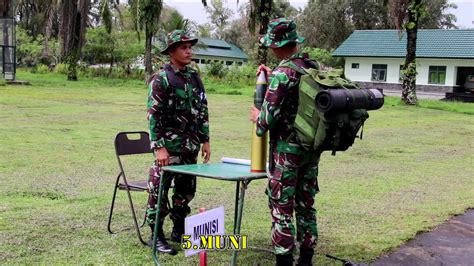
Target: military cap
280	32
175	37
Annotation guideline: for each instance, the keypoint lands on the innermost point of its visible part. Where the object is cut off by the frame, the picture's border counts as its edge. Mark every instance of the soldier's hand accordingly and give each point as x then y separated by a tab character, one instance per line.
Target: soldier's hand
206	152
162	157
262	67
254	113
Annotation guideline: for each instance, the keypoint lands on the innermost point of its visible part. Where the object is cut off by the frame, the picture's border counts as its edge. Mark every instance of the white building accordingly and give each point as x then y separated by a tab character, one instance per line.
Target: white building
444	58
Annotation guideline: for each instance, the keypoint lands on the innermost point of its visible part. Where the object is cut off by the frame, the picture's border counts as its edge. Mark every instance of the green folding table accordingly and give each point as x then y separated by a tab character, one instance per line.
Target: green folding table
240	173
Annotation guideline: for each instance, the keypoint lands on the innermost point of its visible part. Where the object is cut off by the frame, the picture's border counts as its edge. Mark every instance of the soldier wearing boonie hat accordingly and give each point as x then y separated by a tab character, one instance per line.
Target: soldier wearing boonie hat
280	32
179	128
176	37
292	184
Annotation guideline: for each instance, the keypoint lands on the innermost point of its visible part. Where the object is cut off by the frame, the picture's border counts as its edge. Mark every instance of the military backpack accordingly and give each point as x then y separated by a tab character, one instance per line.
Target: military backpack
325	131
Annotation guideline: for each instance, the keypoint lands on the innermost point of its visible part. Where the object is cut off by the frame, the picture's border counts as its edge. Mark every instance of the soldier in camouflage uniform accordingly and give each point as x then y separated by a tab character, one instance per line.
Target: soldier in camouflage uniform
292	184
178	120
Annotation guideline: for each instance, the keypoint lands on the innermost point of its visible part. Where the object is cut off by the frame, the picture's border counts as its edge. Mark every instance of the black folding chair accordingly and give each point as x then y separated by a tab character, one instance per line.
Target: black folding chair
125	145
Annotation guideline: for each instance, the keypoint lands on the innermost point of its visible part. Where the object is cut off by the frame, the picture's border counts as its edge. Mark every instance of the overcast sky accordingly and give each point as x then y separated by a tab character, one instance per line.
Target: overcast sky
194	10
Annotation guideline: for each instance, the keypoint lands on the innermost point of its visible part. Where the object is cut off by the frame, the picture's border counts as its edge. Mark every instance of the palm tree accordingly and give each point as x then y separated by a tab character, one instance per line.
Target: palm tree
53	7
5	10
259	11
406	14
72	32
146	16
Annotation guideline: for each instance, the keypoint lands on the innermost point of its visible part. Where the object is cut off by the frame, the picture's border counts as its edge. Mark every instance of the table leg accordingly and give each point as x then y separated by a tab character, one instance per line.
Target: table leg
239	218
236	207
157	220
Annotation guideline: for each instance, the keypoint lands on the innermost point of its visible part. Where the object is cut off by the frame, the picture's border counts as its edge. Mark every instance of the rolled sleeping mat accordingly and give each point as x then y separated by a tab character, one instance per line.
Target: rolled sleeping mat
343	100
235	161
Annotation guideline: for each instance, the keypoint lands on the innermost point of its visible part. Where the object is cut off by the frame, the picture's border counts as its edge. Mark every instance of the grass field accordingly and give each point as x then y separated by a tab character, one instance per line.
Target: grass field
411	172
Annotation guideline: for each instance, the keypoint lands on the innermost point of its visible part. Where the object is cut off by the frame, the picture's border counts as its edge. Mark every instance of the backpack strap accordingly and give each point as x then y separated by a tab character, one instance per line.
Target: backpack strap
301	70
337	136
198	82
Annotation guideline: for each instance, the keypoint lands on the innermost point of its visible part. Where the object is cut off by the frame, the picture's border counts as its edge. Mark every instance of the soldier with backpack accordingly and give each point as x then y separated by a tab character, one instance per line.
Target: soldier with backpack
293	170
179	128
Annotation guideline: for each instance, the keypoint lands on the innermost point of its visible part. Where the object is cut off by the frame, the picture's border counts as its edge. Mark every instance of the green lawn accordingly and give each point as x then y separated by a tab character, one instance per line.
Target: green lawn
411	172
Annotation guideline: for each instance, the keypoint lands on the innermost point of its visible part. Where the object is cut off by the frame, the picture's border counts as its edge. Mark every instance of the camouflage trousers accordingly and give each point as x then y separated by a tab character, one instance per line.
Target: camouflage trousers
292	186
183	191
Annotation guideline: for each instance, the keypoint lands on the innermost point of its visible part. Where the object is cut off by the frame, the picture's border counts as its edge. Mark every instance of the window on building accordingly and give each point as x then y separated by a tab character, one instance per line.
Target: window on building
355	65
239	63
379	72
437	75
228	63
195	60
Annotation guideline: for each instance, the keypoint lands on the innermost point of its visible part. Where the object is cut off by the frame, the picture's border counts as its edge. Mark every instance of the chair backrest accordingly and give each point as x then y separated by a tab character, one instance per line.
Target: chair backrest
128	143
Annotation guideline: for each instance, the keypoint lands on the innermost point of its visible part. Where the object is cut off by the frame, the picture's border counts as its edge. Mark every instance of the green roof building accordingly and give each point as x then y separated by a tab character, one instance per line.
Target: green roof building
445	58
208	50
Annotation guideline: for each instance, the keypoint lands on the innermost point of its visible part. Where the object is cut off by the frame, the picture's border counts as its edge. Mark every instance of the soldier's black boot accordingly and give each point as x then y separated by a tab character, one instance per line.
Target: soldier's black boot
177	215
284	260
161	243
178	231
306	257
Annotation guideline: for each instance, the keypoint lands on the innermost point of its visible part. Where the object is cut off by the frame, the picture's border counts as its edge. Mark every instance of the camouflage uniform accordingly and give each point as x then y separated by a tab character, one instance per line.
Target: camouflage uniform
293	171
178	120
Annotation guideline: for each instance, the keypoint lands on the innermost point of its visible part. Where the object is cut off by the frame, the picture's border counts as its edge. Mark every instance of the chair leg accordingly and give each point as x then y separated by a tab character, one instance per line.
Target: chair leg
144	220
133	212
113	204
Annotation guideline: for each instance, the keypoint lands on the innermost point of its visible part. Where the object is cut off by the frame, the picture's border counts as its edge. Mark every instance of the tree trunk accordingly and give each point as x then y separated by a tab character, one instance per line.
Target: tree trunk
48	27
148	61
265	12
409	68
74	48
73	24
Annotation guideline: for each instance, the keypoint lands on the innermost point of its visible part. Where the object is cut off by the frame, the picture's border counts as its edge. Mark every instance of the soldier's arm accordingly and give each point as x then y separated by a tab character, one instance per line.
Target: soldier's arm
157	100
203	118
271	107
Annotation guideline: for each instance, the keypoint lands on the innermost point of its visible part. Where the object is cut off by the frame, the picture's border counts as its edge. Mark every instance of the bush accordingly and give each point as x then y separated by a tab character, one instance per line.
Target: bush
216	69
324	57
42	69
118	72
30	52
61	68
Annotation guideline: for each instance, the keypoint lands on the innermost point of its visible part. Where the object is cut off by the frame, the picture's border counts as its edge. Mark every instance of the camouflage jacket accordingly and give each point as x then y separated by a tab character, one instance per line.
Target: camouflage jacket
279	108
177	110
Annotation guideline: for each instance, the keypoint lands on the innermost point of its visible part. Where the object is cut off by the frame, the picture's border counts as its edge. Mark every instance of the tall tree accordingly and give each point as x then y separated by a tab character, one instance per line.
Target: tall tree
219	16
369	15
329	20
73	24
146	16
406	15
5	10
437	15
260	12
283	8
204	30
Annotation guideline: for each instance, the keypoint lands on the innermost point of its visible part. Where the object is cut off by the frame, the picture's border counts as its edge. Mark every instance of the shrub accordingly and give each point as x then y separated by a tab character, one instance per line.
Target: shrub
42	69
241	74
324	57
216	69
61	68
